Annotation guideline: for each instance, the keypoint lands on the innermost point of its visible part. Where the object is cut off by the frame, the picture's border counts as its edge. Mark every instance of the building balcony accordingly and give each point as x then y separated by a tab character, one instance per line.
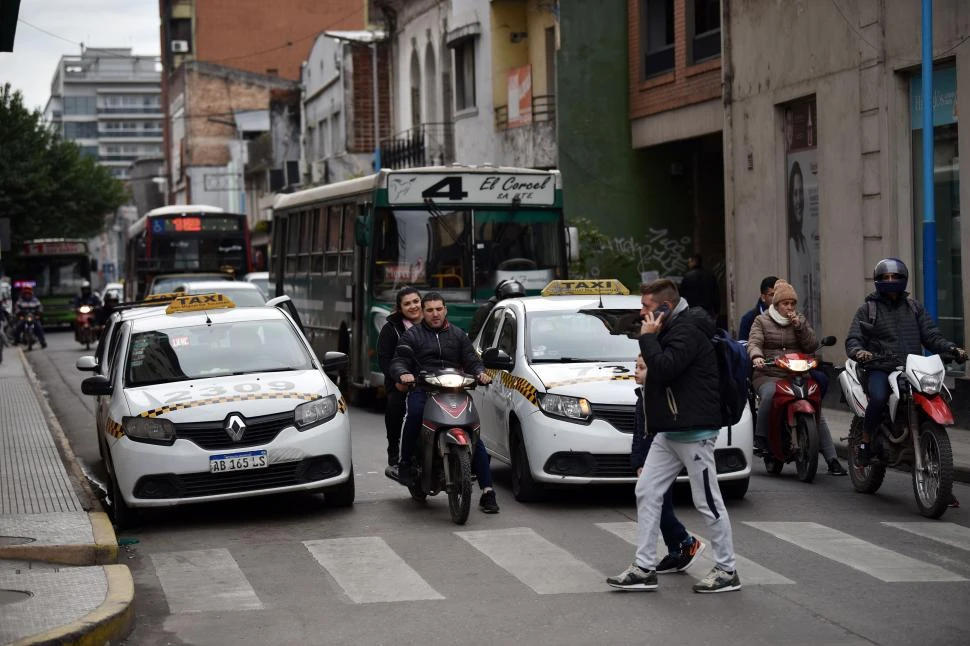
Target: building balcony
543	110
131	134
530	142
429	144
102	109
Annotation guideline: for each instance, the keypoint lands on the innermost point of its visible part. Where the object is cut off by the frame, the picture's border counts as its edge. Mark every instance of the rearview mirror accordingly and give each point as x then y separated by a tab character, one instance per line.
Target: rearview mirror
572	243
86	363
334	362
96	385
497	359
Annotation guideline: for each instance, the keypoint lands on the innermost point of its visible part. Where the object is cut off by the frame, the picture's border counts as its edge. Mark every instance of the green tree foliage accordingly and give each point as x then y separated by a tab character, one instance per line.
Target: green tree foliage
598	259
49	189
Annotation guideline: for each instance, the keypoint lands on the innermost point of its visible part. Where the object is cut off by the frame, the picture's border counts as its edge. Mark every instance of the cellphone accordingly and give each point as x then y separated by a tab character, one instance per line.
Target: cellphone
663	309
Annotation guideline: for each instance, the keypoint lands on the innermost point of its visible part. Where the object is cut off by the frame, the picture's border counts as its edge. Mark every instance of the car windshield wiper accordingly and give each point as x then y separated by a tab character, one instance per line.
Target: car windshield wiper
562	360
277	369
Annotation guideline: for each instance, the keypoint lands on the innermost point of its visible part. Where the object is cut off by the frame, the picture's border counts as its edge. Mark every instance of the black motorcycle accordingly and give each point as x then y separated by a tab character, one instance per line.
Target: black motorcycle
28	333
449	432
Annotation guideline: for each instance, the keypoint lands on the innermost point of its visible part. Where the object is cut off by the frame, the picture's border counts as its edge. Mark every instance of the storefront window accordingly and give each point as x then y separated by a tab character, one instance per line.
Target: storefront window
946	186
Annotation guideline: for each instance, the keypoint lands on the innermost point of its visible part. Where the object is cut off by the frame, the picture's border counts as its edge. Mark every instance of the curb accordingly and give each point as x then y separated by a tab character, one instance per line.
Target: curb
102	551
108	623
88	497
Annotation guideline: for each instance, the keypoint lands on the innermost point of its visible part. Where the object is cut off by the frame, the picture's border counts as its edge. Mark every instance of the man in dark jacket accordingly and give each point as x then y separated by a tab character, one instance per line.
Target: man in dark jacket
889	323
764	302
699	286
406	314
435	343
683	405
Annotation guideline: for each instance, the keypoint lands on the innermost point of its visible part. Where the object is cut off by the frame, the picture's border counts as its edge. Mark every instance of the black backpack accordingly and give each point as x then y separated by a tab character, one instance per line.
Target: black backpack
913	305
734	375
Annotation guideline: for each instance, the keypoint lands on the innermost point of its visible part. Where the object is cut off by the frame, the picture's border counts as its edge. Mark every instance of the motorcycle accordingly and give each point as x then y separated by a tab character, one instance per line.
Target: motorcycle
795	416
84	332
28	334
912	434
449	432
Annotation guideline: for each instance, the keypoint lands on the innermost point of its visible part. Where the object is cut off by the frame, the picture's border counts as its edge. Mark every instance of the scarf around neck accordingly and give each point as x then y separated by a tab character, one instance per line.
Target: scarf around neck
777	317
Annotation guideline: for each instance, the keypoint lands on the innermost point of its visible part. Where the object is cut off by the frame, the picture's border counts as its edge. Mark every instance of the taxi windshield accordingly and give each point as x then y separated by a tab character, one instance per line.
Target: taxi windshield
580	336
203	351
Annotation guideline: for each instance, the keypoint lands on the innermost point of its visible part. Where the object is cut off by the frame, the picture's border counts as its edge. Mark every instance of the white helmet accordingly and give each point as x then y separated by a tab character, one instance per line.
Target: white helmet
85	284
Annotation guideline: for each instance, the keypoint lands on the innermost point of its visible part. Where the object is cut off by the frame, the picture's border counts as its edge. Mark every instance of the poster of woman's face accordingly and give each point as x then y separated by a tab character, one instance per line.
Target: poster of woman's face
796	199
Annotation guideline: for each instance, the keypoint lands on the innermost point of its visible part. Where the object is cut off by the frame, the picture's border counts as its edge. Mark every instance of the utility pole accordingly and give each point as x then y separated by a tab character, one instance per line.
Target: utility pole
929	187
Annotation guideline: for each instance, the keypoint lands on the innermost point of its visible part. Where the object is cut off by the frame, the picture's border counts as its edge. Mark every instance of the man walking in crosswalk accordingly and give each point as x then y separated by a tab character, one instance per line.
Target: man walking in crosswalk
682	399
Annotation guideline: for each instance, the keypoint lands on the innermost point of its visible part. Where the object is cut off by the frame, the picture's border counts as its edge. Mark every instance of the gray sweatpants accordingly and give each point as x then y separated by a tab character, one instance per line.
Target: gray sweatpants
664	462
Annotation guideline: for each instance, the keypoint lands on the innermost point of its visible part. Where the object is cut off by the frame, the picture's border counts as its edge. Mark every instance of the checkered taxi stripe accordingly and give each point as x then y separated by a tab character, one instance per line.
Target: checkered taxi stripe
114	429
516	383
341	405
157	412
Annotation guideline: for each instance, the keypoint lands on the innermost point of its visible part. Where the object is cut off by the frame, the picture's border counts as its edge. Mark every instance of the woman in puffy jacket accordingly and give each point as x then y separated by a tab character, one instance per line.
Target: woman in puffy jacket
406	313
779	330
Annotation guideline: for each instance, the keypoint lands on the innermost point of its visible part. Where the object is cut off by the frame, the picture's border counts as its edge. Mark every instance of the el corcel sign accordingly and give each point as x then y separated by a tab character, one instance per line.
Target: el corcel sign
471	188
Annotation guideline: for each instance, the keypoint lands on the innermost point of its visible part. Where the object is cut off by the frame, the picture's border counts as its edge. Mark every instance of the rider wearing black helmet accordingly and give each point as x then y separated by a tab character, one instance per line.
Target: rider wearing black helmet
508	288
889	322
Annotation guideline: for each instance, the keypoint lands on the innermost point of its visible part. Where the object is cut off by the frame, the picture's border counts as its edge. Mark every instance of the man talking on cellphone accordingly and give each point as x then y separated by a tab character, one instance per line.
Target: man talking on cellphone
682	400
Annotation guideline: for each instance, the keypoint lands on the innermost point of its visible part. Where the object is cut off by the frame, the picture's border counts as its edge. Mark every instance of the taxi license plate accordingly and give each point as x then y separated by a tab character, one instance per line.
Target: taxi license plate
237	461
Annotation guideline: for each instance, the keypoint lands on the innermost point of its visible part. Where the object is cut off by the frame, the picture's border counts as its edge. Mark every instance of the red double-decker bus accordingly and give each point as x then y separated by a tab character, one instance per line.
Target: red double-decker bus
187	238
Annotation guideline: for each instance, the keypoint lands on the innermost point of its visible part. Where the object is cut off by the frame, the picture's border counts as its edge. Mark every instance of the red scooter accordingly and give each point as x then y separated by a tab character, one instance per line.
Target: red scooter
84	326
795	416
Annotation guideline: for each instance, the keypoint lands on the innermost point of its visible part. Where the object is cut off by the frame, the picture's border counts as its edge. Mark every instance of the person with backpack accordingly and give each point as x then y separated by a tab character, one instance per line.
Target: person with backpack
782	329
889	322
682	400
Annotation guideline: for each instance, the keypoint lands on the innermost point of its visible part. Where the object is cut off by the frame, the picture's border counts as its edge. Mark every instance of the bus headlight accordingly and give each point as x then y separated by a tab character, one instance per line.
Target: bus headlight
153	430
571	408
315	412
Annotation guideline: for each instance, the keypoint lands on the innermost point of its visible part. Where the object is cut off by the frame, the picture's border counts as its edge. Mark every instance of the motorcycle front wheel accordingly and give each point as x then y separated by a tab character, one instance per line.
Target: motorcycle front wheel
933	484
806	431
864	479
460	490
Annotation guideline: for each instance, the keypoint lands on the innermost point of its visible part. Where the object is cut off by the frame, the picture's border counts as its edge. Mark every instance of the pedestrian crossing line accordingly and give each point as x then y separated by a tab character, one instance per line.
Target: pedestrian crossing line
204	581
869	558
750	572
538	563
369	571
949	533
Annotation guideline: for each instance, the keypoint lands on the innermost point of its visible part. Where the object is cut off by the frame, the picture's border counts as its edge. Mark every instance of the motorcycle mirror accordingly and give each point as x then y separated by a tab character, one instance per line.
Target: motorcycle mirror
829	341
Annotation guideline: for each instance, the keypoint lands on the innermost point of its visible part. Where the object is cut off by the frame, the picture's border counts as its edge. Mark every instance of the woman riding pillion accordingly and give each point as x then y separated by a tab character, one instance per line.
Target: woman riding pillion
407	313
781	329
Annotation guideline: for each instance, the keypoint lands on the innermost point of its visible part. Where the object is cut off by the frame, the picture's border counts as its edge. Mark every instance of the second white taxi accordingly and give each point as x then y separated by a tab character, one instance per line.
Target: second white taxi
202	401
561	407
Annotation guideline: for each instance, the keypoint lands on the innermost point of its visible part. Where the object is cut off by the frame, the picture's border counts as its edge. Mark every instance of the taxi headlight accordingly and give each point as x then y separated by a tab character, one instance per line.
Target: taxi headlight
572	408
153	430
929	383
315	412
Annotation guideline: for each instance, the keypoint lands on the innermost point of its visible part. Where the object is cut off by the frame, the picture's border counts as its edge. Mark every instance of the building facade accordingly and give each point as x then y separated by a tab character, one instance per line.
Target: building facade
108	101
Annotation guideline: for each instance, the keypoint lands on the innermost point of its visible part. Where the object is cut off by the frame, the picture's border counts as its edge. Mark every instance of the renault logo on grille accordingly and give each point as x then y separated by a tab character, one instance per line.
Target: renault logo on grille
235	427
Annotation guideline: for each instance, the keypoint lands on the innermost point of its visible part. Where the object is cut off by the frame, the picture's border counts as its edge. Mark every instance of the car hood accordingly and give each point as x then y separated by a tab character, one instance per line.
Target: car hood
606	383
251	395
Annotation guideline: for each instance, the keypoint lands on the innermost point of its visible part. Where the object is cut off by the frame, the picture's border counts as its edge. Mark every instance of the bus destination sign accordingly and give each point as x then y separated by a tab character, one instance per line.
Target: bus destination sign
471	188
54	248
194	224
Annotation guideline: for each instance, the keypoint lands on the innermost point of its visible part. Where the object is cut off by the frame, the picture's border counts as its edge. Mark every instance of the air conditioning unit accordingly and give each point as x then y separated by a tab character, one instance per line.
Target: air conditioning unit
180	46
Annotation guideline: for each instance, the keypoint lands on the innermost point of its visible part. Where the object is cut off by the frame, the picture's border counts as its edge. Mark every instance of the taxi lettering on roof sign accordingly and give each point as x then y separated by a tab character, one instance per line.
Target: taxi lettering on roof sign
199	302
165	297
585	287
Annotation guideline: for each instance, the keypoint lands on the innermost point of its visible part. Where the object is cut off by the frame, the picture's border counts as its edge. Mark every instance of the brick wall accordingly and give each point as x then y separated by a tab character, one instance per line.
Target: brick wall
684	85
360	118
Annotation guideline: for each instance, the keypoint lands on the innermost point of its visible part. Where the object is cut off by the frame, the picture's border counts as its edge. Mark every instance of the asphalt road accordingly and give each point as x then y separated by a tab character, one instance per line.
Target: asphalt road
821	564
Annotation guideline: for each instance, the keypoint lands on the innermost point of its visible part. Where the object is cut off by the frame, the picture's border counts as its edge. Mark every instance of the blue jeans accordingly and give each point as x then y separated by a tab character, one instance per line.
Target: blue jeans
412	428
878	391
674	533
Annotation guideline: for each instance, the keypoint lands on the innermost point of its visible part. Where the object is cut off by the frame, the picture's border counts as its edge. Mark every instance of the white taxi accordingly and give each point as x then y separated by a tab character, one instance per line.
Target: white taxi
201	401
561	407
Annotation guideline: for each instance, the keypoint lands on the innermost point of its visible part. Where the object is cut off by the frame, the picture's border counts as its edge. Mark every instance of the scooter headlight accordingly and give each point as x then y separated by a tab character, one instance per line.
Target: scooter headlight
315	412
449	380
571	408
929	383
85	309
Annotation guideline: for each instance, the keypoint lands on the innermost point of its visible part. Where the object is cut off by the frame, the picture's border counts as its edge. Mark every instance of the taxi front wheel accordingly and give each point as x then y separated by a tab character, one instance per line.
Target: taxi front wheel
342	495
524	486
122	515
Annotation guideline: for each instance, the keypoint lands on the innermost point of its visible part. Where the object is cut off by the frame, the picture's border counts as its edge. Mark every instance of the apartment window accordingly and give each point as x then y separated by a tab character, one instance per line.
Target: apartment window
90	151
656	37
706	39
323	139
80	130
465	74
80	105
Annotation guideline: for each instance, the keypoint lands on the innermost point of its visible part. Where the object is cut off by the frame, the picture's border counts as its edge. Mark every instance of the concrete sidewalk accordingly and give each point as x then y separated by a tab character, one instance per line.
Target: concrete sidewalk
58	583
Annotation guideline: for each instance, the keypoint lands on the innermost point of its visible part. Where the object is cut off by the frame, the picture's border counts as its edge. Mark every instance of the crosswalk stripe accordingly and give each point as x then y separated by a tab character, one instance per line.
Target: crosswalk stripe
750	572
369	571
858	554
204	581
949	533
540	564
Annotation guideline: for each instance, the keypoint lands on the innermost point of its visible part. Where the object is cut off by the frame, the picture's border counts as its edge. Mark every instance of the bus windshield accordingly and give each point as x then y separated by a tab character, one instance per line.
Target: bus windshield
57	275
464	253
199	254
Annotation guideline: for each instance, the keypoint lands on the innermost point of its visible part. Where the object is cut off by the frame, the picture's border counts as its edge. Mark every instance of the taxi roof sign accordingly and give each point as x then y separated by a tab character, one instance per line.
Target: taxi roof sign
585	287
199	302
161	298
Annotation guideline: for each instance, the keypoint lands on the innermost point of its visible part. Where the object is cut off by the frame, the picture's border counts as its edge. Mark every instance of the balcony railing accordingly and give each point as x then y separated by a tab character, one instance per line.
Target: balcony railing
130	133
543	109
428	144
129	109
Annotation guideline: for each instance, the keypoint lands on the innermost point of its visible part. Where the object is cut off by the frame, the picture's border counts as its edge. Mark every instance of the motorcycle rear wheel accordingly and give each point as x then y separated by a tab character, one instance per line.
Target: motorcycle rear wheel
864	479
460	491
933	484
806	463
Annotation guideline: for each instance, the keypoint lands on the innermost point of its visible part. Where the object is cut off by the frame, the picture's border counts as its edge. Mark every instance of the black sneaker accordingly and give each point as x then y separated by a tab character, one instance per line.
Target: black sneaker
863	454
836	469
634	578
680	561
761	448
487	502
405	474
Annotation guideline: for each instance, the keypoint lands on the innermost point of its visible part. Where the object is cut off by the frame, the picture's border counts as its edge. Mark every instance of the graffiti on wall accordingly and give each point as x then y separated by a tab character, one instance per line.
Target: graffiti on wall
657	251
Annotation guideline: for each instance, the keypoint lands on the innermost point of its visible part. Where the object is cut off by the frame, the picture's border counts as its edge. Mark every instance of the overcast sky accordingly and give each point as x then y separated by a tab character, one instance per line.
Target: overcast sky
96	23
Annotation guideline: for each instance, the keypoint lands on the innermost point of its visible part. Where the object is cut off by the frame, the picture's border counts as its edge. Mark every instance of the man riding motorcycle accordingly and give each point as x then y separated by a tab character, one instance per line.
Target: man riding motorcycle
889	323
86	297
27	302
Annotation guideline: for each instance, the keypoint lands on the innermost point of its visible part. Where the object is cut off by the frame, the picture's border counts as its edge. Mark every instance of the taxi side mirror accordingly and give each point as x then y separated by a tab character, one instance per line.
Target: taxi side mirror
96	385
334	362
497	359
